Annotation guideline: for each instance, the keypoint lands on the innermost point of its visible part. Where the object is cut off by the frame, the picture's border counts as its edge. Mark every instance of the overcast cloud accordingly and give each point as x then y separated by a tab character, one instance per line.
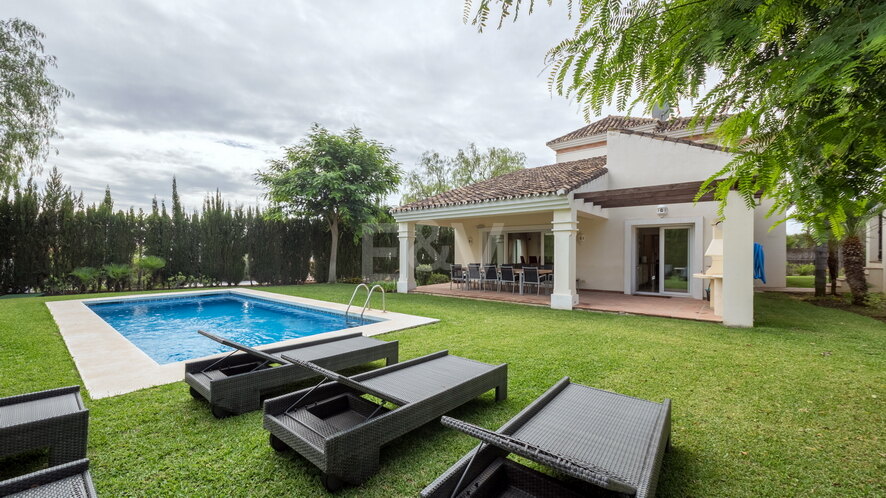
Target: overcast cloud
208	91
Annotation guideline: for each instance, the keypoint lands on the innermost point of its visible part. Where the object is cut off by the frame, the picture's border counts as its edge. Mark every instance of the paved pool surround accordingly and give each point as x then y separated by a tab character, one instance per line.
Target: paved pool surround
111	365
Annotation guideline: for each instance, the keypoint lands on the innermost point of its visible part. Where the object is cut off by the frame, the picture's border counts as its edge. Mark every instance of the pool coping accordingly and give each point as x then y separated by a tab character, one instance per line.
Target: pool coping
110	365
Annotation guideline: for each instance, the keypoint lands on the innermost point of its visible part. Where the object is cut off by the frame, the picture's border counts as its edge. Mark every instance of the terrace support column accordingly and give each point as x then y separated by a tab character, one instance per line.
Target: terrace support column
738	263
406	282
565	228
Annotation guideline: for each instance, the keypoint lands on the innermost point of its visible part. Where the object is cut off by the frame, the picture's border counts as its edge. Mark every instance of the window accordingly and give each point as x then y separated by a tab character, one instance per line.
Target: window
880	237
549	248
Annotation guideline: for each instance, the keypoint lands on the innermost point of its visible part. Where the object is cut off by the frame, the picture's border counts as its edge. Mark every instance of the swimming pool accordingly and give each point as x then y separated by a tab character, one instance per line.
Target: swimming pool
166	328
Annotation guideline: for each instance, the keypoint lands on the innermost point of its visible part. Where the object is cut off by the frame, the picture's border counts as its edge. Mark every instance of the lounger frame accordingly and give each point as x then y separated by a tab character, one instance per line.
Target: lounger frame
242	392
64	433
351	456
659	441
52	482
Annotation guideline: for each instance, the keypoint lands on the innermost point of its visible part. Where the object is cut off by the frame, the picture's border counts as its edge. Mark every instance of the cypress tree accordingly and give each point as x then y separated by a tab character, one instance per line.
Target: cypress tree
29	261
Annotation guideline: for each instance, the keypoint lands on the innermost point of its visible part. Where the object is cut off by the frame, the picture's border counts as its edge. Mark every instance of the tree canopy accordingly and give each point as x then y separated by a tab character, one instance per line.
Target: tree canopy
342	178
436	173
28	100
801	81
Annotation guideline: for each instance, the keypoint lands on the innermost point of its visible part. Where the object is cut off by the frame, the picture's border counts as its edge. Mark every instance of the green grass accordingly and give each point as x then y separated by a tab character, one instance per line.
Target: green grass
792	407
804	281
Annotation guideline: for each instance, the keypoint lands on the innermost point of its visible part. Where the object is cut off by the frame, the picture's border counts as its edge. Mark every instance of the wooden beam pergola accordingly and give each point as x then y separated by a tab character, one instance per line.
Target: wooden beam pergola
671	193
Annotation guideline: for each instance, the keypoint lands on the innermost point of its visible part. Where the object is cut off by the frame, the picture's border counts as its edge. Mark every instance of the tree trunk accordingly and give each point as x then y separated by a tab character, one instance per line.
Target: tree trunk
833	264
333	250
853	262
821	266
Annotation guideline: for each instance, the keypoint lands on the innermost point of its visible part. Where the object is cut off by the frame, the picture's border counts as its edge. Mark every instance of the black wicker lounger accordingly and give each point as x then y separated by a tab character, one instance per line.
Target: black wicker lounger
236	383
70	479
599	438
56	419
341	432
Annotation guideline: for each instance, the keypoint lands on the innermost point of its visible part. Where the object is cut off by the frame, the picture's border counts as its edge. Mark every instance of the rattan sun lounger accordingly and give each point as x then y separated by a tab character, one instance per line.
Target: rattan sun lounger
598	439
235	384
341	432
70	479
56	419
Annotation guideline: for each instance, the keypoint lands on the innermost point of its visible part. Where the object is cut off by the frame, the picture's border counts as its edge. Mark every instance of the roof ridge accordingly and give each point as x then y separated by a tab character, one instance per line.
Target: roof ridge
605	124
528	182
665	138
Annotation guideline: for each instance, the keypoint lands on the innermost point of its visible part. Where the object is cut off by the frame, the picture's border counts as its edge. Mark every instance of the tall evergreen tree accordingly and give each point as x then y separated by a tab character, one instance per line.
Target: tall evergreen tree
29	260
179	242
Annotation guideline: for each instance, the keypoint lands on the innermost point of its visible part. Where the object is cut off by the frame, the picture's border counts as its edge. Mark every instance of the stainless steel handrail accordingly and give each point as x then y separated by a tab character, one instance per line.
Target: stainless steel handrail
369	292
369	297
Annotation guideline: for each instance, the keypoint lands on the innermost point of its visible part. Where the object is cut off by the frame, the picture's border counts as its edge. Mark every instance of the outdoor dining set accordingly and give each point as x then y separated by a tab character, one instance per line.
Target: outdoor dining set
516	277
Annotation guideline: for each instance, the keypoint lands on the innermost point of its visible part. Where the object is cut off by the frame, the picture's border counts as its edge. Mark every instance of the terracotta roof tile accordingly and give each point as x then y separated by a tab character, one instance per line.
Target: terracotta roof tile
602	126
543	180
665	138
625	123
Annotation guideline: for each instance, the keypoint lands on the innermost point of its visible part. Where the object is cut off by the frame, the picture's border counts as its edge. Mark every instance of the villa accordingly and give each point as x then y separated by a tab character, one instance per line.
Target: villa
614	213
876	239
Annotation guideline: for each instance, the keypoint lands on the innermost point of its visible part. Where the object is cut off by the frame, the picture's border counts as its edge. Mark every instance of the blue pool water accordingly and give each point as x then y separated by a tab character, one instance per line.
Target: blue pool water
166	328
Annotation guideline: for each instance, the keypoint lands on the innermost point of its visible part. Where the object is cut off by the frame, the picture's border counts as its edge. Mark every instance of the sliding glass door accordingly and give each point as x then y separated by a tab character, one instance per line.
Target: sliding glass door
662	260
675	246
494	252
521	246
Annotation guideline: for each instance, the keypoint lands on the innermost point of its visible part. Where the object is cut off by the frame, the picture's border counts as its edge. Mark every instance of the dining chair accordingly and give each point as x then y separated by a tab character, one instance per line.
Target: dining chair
548	280
531	277
507	277
490	275
474	274
456	275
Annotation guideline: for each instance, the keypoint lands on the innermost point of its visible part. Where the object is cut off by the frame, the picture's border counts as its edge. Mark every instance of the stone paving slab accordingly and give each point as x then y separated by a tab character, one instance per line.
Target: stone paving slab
612	302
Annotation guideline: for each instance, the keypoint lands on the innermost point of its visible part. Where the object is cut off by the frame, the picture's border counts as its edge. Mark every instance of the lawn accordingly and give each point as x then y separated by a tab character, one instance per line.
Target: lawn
803	281
792	407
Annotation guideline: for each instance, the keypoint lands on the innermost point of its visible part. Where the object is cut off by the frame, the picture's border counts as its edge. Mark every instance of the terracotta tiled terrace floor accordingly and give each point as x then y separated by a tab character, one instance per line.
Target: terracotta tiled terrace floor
612	302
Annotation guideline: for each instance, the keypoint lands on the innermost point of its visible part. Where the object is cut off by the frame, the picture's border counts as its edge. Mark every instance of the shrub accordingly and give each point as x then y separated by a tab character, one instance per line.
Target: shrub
178	281
54	285
350	280
438	278
795	269
423	274
116	275
87	277
389	286
876	300
147	267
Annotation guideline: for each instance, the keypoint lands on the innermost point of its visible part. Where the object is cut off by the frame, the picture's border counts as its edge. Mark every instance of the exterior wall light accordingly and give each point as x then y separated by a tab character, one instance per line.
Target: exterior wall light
661	210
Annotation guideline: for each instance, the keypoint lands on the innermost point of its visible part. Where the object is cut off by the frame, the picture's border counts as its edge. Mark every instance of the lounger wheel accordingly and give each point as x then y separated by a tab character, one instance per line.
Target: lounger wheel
332	483
278	443
219	412
194	393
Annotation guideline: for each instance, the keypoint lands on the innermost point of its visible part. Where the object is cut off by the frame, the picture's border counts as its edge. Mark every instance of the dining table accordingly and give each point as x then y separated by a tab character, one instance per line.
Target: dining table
519	273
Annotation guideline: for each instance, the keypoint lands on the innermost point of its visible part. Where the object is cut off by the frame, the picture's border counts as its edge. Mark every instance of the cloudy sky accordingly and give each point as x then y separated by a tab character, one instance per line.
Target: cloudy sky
208	91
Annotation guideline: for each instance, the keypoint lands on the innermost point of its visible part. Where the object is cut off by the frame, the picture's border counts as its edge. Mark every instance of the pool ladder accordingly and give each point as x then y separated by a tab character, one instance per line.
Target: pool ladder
368	299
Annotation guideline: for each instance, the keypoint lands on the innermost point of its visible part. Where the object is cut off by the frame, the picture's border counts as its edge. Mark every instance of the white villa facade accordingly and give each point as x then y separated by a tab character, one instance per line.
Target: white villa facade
614	213
876	240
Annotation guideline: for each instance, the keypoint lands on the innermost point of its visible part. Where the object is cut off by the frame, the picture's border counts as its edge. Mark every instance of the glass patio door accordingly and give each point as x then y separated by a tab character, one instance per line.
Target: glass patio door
662	264
675	263
495	249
